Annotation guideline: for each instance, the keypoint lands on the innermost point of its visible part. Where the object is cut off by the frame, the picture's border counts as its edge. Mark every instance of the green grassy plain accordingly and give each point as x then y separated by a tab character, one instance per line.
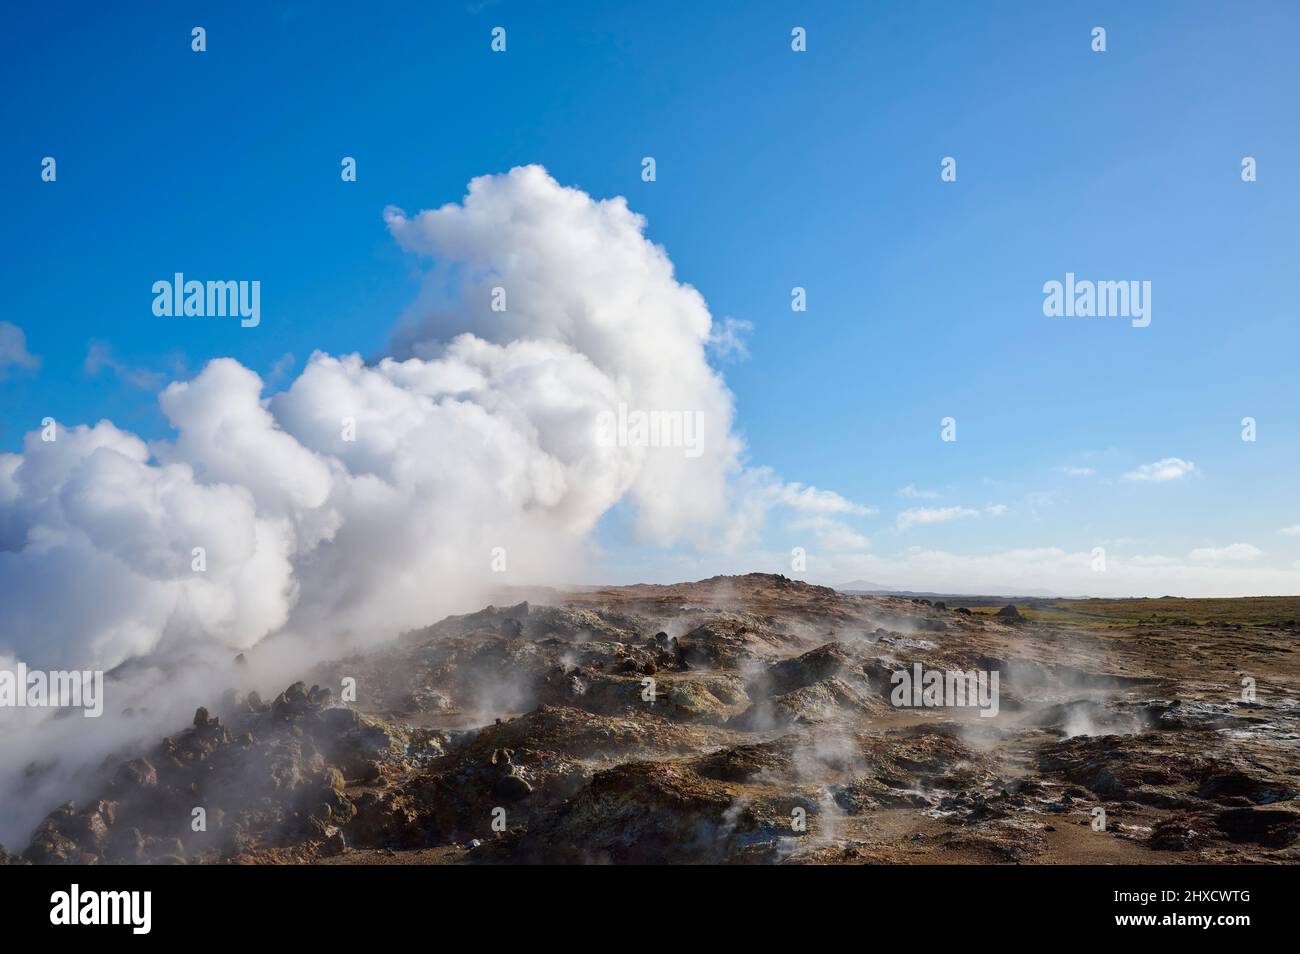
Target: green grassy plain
1168	610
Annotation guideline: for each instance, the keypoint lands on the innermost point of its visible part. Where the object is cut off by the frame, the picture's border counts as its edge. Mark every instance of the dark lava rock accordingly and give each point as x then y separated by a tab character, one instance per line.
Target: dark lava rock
512	788
335	842
1270	827
1177	834
1235	783
261	785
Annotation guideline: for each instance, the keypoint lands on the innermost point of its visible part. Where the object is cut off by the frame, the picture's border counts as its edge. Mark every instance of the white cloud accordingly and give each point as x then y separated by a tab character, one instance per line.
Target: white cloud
1037	501
911	491
811	500
995	510
1236	552
13	349
1073	471
100	357
728	341
757	491
1167	468
831	534
842	538
1153	559
924	516
1054	570
1291	531
280	369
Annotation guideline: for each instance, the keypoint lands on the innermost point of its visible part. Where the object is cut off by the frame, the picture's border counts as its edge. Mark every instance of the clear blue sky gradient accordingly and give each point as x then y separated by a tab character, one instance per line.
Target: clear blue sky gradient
774	170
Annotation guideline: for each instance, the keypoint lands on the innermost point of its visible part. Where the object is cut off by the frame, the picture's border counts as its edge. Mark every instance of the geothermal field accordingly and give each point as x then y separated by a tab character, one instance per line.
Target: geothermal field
748	719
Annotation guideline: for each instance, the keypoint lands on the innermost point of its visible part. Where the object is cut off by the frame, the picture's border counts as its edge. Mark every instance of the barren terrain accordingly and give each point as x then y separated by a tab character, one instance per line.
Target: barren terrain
532	733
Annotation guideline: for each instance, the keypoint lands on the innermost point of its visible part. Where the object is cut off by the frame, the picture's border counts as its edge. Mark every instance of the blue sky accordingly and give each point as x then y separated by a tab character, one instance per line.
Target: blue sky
774	169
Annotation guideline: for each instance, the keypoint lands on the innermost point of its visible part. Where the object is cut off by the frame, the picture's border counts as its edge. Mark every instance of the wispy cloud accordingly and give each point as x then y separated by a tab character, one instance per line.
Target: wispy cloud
830	533
810	500
280	369
912	491
13	349
1291	531
1153	559
1167	468
1072	471
1235	552
924	516
99	357
727	339
1056	570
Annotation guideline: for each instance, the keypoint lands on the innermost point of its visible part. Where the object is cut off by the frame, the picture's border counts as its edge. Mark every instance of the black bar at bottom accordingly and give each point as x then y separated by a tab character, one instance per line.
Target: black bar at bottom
368	904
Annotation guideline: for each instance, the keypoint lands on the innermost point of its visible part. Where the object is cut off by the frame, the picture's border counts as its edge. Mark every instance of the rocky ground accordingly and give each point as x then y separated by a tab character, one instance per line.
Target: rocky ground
737	719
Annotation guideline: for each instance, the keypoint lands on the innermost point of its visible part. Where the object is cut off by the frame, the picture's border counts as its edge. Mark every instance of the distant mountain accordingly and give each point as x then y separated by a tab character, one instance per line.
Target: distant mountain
863	586
866	586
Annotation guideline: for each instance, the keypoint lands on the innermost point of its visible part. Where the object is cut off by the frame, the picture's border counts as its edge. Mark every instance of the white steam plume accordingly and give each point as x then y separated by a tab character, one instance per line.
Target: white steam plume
481	433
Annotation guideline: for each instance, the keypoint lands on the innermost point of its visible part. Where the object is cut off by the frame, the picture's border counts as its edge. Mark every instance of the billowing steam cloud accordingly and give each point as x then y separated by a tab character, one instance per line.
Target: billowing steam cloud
367	498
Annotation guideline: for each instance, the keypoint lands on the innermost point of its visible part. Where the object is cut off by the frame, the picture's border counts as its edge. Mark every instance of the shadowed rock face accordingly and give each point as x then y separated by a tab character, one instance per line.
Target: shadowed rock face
738	719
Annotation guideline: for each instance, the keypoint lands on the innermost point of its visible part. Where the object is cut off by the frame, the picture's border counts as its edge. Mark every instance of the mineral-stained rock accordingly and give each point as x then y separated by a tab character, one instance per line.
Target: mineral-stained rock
135	776
1002	839
1168	770
639	812
729	641
822	701
51	844
744	763
816	665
